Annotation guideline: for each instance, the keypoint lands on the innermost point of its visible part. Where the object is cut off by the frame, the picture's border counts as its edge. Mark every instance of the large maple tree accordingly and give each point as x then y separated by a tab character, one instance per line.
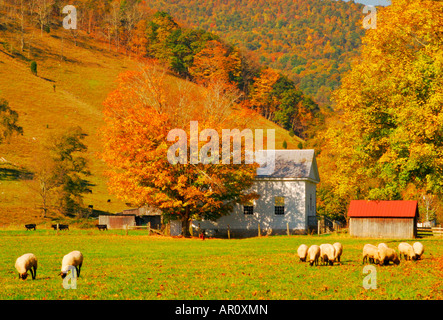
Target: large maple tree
139	114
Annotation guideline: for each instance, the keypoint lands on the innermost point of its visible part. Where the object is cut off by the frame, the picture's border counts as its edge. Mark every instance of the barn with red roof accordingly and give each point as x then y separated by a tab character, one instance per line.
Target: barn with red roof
383	219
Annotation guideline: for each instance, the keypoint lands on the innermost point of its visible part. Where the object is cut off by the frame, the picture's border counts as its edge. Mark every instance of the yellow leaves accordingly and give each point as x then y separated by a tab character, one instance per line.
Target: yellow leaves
389	131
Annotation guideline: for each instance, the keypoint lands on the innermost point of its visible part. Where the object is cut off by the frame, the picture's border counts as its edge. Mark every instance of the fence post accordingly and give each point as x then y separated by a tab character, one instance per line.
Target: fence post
126	229
259	231
149	228
287	228
229	233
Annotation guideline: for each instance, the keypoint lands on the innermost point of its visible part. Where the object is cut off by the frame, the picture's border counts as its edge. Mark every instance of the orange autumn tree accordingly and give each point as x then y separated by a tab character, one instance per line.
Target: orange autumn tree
216	61
139	42
262	98
139	114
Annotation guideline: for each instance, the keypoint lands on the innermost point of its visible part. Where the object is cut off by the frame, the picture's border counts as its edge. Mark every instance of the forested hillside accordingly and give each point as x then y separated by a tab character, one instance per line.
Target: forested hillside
136	29
312	41
53	83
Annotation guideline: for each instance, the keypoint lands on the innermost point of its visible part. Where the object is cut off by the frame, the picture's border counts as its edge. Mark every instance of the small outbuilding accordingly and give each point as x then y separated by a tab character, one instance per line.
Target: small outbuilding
145	215
383	219
116	221
133	217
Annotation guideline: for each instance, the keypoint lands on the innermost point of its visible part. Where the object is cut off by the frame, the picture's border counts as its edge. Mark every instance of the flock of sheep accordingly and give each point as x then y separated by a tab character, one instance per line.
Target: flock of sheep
326	253
381	254
28	262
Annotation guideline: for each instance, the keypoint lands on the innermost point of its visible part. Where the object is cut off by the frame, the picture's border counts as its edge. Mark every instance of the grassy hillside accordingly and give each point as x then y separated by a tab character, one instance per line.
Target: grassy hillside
69	89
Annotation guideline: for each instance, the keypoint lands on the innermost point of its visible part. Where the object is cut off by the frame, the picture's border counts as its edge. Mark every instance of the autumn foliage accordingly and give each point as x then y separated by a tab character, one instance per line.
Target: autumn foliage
139	114
387	141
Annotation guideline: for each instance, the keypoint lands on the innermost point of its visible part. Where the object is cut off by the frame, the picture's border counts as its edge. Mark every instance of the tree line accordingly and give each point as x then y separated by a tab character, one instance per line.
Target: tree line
133	28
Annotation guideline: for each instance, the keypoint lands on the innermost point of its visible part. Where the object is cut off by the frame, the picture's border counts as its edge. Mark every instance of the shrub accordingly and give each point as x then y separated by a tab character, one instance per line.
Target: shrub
34	67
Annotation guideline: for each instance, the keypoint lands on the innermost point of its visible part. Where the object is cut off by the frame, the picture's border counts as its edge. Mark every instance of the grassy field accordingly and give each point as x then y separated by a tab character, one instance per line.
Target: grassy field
138	266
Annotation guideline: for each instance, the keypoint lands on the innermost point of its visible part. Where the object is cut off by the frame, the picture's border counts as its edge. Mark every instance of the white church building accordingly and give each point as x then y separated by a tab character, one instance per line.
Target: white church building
287	200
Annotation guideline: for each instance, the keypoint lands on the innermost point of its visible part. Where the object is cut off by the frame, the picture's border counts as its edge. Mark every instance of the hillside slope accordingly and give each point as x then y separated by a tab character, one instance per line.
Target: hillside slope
312	41
69	89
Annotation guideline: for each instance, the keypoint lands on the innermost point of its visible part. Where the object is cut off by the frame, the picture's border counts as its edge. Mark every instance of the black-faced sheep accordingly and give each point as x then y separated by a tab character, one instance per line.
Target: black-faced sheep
392	256
419	249
382	253
338	251
370	254
387	255
24	263
313	254
302	252
406	250
327	253
75	259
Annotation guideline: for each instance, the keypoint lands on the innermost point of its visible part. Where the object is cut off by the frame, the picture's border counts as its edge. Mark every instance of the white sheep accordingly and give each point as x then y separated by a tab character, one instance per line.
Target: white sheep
406	250
419	249
387	254
24	263
338	251
302	252
313	254
391	255
370	254
75	259
327	253
382	253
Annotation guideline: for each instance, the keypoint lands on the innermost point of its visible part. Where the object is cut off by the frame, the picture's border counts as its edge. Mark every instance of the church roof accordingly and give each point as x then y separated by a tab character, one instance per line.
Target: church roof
291	164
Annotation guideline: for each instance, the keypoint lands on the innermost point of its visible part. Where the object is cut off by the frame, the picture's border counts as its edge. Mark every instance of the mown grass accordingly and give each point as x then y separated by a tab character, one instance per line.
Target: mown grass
138	266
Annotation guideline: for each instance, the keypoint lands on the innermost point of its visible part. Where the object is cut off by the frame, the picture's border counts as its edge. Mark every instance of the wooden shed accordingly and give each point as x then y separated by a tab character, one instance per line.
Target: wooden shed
145	215
383	219
117	221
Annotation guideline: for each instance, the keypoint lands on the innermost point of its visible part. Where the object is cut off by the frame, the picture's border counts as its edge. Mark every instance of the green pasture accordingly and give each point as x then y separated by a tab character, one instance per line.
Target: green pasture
139	266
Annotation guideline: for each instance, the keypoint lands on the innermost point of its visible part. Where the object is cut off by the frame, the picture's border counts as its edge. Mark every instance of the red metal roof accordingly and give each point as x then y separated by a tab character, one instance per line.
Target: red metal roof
374	208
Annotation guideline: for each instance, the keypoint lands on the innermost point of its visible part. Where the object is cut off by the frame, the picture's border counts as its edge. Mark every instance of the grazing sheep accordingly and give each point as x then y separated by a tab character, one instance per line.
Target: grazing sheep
382	253
391	255
406	250
75	259
338	251
302	252
370	254
419	249
24	263
327	253
313	254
